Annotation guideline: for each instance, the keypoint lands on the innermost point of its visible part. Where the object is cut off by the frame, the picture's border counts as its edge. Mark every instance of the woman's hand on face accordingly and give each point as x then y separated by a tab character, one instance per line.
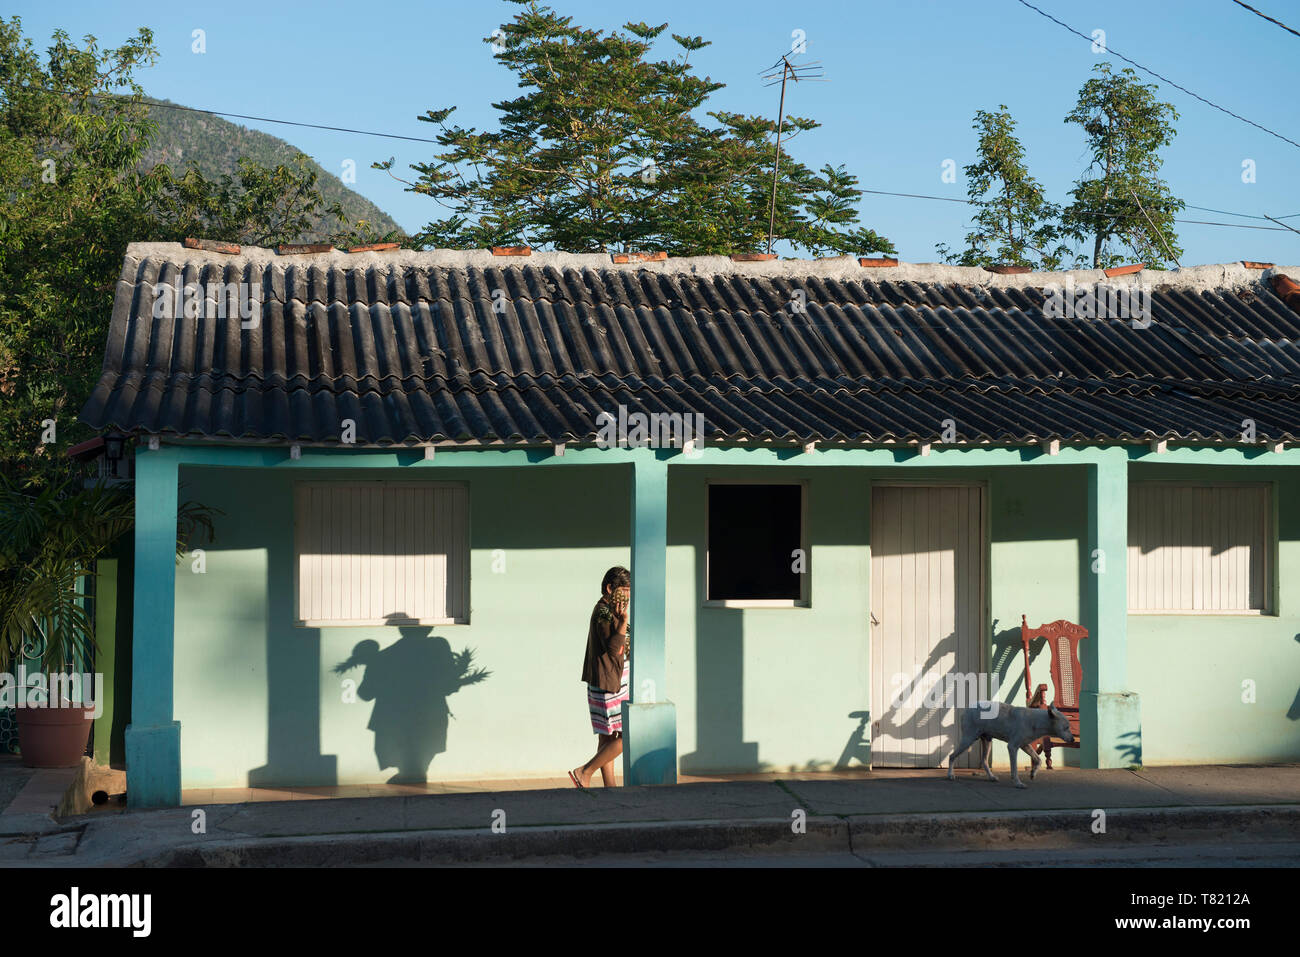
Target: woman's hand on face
618	604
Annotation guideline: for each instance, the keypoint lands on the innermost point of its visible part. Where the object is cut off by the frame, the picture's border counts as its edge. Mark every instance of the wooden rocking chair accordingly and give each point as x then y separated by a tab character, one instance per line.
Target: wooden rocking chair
1063	639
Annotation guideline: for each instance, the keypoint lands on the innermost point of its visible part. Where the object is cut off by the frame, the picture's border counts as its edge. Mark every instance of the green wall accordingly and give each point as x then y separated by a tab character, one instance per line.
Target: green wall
113	586
1190	669
755	689
256	696
786	689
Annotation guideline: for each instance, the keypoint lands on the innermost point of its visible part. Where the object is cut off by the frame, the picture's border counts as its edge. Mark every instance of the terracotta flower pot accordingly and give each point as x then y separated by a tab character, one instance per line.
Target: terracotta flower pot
53	737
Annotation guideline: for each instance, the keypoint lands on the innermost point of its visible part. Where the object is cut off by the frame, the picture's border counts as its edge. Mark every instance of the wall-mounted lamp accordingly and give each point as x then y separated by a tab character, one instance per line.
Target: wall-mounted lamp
114	446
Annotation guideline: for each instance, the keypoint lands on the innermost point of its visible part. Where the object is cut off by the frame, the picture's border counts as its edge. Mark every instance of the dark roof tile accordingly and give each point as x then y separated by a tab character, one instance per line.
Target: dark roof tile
419	353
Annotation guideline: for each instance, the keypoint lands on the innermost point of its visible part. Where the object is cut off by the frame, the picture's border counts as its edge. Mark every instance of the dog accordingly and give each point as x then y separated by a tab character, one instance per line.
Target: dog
1018	727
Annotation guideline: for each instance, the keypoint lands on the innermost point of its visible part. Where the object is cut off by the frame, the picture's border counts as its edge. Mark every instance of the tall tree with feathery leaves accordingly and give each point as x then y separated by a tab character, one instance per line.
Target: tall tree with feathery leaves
603	151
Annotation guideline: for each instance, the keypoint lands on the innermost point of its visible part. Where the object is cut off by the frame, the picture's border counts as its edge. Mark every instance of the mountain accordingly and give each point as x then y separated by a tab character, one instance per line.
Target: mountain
216	144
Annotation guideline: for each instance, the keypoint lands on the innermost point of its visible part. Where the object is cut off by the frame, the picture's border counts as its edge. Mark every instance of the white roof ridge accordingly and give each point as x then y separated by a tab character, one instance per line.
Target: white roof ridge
1194	278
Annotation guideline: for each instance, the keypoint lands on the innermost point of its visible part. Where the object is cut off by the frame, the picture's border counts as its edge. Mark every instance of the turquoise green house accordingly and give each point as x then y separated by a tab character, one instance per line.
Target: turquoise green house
839	488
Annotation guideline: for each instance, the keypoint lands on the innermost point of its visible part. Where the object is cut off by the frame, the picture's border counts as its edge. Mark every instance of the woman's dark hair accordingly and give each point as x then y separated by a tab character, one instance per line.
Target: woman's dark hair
616	577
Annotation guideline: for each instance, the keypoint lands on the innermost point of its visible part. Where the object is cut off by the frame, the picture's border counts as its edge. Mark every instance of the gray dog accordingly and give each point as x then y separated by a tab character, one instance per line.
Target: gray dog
1018	727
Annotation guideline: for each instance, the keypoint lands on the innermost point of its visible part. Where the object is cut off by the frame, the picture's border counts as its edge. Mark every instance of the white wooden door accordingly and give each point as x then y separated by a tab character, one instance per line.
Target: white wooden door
926	613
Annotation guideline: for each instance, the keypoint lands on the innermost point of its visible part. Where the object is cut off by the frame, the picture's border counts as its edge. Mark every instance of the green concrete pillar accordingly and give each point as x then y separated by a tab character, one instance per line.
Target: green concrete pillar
649	719
1109	714
105	653
153	738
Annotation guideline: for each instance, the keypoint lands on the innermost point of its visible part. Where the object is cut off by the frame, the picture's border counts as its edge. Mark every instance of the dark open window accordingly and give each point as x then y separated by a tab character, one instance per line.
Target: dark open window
754	533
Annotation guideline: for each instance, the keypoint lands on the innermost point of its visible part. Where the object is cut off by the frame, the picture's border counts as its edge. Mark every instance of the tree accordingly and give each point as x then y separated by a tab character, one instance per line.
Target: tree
1014	225
73	197
49	542
1121	196
48	545
268	205
603	151
73	130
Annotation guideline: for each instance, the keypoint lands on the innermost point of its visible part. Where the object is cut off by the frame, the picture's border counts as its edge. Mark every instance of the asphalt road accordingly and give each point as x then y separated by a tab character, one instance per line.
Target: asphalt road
1235	854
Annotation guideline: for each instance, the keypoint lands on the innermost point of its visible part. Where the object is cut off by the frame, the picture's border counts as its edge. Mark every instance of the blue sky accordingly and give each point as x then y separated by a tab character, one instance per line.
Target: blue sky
906	77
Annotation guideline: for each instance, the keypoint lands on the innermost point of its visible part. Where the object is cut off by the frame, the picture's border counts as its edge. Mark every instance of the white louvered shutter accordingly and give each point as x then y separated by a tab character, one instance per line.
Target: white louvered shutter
382	553
1198	548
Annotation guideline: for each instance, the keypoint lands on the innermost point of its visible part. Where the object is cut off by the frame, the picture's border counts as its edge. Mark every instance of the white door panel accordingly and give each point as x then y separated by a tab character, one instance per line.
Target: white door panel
927	609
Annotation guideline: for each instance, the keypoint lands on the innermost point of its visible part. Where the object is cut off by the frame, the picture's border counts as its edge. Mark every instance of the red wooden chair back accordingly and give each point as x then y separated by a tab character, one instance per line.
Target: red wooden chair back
1063	639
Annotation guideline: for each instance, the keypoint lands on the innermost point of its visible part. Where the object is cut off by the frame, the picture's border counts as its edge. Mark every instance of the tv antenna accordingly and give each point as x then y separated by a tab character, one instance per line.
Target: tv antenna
780	72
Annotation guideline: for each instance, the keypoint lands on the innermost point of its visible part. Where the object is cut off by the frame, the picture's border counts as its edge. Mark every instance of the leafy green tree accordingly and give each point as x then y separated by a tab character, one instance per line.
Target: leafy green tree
73	198
1121	196
603	151
1014	224
49	541
74	127
267	206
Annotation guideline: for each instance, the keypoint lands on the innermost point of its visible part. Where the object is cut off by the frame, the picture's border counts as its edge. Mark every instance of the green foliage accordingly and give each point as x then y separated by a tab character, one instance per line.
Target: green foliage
1014	224
1124	198
265	207
603	151
78	187
216	146
49	541
73	197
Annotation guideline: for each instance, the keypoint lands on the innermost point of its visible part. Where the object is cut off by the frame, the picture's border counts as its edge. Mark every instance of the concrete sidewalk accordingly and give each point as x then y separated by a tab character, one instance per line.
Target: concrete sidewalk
882	810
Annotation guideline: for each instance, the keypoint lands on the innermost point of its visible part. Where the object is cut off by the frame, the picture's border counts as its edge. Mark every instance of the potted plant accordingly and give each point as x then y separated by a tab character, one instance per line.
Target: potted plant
49	540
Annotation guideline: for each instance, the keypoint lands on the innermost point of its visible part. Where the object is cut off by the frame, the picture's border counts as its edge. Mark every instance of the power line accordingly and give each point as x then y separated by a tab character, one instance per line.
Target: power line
1292	228
417	139
1199	222
1158	76
1265	16
1206	222
243	116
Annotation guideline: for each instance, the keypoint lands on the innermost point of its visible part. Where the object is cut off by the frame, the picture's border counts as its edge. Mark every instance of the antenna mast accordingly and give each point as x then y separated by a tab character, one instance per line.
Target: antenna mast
779	72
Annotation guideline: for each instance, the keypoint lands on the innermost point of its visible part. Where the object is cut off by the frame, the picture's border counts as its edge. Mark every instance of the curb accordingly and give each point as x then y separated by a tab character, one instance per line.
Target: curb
1045	829
461	846
1074	826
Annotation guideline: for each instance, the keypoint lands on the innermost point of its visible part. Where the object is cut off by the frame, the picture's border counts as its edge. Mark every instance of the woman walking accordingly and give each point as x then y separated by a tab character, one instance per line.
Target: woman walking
605	671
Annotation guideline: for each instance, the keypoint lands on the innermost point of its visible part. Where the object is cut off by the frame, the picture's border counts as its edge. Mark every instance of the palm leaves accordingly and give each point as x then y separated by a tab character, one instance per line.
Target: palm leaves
49	541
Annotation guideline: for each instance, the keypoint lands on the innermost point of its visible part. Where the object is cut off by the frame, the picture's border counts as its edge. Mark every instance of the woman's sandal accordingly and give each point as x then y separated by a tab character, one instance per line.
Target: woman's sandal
576	783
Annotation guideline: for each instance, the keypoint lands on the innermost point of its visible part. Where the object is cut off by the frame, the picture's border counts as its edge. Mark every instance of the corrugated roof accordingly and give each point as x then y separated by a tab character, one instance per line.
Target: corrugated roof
417	350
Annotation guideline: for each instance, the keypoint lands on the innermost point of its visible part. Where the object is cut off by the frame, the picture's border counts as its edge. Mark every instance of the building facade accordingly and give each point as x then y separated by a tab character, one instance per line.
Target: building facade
415	504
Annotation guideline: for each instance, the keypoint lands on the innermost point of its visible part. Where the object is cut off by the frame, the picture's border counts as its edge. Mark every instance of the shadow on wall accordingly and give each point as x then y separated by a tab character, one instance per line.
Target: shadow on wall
1130	746
911	714
719	692
1007	652
859	744
409	682
1294	712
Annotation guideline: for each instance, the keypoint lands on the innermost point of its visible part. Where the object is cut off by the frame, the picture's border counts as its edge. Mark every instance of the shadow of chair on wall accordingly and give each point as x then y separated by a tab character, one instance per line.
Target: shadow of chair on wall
859	743
409	683
1007	652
